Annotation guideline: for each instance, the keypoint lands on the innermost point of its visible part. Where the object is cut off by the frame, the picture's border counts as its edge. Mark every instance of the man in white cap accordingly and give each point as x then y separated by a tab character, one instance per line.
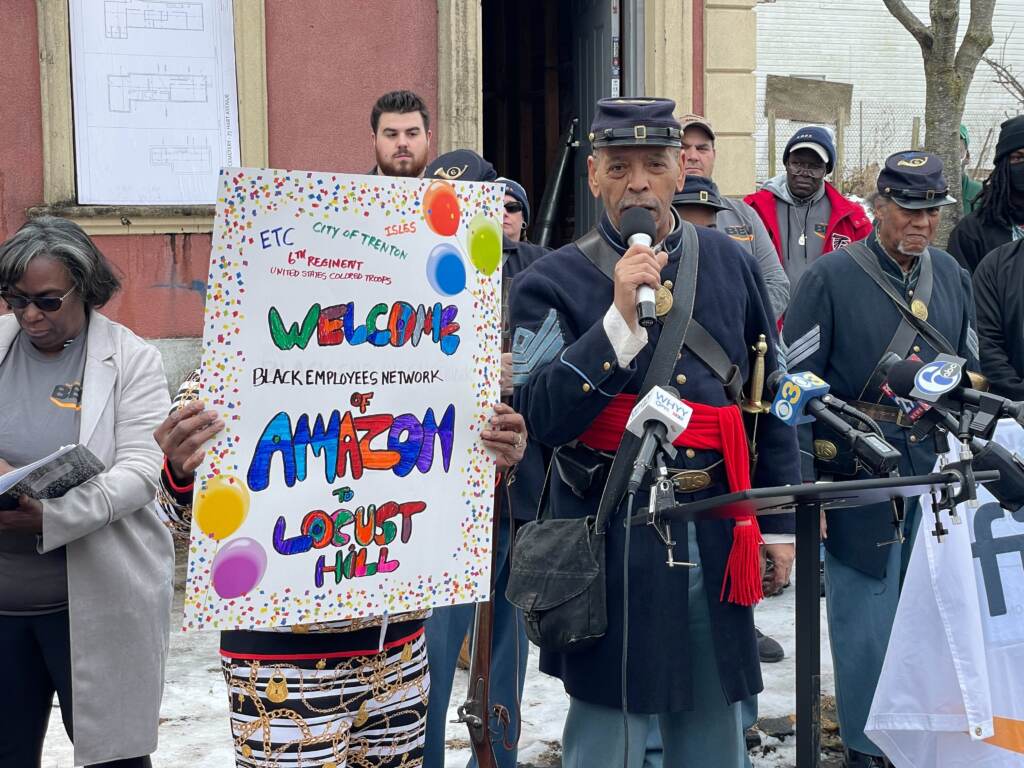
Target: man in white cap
804	214
737	219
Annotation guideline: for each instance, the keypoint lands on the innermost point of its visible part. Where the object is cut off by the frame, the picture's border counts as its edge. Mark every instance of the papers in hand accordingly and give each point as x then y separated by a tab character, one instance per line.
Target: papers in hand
50	477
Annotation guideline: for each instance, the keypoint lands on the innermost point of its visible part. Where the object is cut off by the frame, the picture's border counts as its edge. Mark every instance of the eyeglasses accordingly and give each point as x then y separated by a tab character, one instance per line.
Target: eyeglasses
814	171
45	303
513	207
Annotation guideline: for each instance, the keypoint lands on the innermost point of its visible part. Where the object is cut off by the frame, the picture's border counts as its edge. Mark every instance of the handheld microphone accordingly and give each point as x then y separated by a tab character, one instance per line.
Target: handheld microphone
658	418
637	228
803	397
944	381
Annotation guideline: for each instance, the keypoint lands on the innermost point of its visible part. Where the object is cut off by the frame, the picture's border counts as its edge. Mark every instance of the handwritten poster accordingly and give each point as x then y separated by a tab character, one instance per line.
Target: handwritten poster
352	345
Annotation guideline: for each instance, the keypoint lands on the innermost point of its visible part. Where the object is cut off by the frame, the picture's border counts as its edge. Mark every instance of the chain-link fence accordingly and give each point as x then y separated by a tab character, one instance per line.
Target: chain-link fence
874	130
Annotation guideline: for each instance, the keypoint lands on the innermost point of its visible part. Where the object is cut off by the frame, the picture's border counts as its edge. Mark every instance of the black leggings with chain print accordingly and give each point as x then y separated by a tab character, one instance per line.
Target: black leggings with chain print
323	699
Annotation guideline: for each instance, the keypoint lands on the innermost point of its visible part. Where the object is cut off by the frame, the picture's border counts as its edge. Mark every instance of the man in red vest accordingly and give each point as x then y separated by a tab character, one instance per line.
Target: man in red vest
804	214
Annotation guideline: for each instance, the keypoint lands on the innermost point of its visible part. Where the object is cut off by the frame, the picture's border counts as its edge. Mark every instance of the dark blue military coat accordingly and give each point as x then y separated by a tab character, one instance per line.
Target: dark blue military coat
838	326
527	481
565	384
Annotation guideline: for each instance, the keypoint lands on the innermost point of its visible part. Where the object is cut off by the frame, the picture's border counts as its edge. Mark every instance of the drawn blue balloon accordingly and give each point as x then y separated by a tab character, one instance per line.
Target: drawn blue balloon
446	270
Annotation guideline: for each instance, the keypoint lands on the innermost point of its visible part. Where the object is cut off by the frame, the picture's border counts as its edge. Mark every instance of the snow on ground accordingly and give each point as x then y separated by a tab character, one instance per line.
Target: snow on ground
194	729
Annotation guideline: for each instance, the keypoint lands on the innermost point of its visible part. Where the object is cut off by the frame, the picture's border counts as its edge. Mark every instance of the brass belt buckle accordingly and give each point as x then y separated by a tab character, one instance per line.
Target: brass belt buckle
690	480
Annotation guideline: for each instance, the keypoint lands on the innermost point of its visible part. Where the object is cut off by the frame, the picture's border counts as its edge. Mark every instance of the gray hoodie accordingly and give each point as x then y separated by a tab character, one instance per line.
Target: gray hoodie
802	227
742	224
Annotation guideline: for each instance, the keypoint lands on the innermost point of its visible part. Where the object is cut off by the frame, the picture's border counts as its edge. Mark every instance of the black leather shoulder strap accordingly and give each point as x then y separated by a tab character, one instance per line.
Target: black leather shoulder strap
710	352
865	258
673	333
910	325
598	252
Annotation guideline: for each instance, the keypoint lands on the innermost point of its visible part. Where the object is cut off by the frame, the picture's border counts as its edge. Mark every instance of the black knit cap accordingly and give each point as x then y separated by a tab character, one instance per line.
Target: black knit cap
640	122
1011	137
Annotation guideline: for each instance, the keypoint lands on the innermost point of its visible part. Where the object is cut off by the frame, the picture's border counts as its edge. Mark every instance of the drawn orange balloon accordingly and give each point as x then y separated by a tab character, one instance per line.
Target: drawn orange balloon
441	208
221	507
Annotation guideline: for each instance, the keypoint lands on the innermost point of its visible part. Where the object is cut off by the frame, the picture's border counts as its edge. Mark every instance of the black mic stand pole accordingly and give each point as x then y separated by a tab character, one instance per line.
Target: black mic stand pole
808	501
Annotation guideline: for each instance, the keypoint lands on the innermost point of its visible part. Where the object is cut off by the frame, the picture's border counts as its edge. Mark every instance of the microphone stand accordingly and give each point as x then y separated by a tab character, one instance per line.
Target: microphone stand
662	497
808	501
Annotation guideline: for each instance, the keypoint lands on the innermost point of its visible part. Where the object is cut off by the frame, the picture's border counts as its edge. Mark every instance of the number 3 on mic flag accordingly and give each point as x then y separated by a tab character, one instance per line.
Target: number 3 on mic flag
794	392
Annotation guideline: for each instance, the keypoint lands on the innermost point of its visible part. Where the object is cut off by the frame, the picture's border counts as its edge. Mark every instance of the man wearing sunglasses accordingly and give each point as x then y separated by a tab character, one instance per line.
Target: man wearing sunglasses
804	214
517	211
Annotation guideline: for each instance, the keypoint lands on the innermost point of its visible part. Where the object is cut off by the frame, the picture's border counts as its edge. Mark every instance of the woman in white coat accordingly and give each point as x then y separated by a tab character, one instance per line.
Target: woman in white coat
86	579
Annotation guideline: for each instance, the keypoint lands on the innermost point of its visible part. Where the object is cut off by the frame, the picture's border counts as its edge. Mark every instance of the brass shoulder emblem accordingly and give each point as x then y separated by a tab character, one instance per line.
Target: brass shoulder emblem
920	309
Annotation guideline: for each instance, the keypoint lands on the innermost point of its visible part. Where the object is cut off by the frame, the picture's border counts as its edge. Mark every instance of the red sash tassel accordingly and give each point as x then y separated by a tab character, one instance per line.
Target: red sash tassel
710	429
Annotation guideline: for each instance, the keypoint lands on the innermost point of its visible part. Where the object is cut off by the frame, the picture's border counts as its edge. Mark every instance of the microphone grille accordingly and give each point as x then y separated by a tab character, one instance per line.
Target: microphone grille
637	221
901	376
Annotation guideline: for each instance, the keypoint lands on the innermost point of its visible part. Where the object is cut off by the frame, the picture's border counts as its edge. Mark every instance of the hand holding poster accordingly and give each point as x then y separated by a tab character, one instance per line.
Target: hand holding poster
352	345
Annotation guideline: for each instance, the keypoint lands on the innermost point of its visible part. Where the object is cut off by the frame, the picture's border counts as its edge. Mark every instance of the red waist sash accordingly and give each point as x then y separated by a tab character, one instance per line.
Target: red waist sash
710	429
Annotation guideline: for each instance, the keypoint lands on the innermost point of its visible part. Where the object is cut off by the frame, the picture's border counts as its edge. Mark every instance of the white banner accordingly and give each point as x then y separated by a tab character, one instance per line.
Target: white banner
951	692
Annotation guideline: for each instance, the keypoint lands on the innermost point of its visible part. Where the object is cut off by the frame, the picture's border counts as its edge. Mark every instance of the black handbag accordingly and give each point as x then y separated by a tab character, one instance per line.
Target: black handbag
557	571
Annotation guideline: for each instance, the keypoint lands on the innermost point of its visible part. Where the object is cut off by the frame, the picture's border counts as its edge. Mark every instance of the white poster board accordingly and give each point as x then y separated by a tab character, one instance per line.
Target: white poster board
155	102
352	344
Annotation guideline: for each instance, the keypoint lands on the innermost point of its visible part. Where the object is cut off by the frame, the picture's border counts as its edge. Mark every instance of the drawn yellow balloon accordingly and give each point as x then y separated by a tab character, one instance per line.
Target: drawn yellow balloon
484	243
222	506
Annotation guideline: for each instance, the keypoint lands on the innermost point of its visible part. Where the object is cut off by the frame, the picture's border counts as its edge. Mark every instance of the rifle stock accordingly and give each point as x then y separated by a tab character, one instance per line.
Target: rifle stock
549	202
475	710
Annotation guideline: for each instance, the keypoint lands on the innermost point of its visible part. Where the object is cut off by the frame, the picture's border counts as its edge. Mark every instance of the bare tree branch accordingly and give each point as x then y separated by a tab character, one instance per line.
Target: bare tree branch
977	40
1006	78
913	25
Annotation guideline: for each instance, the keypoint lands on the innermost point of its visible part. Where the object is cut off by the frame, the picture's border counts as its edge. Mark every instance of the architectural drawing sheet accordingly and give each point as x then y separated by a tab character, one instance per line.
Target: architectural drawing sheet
155	103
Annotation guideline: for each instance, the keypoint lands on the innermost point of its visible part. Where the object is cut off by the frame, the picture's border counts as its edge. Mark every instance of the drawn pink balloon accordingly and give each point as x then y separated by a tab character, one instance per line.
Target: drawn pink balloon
238	567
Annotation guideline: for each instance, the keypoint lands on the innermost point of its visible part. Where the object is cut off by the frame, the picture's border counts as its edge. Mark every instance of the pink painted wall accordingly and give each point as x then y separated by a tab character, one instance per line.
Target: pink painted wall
327	65
21	129
325	68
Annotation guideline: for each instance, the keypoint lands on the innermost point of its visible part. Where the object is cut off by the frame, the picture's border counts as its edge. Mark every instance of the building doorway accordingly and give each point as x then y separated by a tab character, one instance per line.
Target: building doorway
545	64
